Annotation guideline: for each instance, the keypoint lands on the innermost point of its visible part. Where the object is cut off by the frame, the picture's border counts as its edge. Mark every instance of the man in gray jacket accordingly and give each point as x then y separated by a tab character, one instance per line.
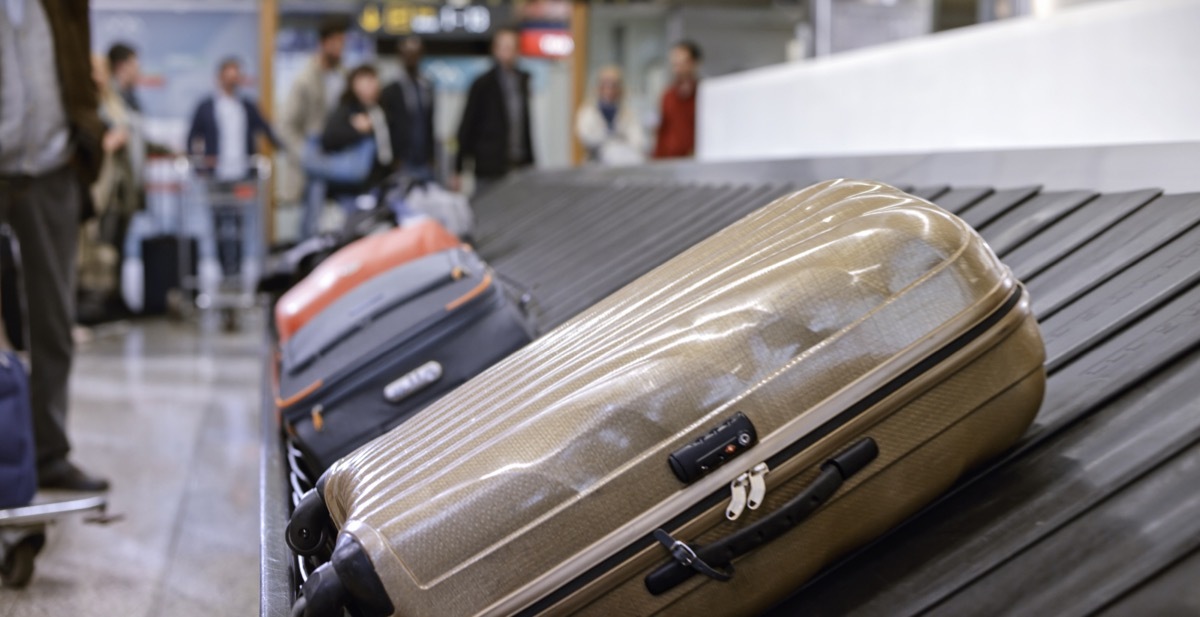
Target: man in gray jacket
313	96
50	152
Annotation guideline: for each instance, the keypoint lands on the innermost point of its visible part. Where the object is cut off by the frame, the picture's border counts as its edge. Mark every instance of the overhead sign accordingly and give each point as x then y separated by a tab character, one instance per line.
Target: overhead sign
462	21
546	43
546	29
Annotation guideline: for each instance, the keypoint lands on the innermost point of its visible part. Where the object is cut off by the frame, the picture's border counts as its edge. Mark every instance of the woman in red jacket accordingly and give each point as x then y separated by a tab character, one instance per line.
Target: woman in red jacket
677	128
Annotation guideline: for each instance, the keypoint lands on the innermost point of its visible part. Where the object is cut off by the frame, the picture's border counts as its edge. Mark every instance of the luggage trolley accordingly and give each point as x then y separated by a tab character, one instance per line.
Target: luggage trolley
226	214
23	533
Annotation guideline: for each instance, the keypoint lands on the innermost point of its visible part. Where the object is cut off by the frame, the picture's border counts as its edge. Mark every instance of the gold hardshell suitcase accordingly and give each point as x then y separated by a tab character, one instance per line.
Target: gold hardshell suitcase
704	440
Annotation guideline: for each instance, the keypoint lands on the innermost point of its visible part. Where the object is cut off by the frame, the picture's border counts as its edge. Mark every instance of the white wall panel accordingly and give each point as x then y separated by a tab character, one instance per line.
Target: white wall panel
1109	73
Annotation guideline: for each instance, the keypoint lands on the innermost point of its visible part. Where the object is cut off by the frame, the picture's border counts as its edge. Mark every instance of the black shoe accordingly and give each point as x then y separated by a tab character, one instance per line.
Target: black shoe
63	475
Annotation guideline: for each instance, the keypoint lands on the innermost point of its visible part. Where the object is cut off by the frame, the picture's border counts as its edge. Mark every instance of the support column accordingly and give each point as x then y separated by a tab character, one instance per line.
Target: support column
268	26
579	72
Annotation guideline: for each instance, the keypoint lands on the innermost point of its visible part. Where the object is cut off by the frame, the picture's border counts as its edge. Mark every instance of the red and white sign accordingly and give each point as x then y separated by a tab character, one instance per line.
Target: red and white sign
545	43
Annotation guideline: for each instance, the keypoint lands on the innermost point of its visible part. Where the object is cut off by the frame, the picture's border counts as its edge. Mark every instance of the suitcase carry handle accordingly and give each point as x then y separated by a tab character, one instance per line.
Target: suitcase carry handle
716	560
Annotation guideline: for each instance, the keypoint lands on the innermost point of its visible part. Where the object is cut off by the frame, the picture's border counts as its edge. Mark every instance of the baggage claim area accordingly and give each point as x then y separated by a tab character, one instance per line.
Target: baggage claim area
779	307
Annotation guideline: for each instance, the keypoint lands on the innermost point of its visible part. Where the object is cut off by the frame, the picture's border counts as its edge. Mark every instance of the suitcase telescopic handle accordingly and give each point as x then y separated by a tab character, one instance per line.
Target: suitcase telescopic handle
716	560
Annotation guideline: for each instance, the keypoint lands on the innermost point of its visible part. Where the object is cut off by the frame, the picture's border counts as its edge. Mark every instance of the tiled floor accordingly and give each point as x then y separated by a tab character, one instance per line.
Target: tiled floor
170	415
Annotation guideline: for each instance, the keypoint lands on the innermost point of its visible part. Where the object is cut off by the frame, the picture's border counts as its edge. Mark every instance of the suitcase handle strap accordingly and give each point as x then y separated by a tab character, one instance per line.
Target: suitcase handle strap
716	559
684	555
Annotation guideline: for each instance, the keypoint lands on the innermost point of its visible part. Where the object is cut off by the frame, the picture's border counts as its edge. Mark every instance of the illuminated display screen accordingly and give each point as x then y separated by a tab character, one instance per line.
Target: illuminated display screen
469	21
546	43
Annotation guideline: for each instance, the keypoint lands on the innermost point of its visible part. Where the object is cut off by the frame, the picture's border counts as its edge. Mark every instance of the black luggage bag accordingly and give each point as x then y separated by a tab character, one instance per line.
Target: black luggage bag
164	260
392	346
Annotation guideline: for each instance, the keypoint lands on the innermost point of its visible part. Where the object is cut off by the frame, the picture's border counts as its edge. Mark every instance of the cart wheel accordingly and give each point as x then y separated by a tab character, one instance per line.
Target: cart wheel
17	568
231	320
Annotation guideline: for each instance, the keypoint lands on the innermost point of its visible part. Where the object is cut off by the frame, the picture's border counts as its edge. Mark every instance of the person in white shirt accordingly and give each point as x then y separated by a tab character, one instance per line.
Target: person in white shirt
224	134
226	126
608	125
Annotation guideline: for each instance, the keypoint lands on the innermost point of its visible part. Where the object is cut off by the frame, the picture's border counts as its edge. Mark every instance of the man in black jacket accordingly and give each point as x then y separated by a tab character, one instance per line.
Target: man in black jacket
495	125
408	103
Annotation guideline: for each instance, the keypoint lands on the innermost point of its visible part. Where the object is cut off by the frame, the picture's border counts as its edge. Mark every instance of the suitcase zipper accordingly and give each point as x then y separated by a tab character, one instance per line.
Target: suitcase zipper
742	497
758	485
737	500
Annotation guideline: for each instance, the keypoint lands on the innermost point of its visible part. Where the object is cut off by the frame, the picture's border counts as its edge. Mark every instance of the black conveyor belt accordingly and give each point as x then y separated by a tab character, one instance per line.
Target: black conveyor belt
1071	232
1096	510
995	205
958	199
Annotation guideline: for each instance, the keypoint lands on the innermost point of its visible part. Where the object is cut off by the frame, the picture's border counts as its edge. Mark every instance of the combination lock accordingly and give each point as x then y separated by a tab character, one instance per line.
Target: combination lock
715	448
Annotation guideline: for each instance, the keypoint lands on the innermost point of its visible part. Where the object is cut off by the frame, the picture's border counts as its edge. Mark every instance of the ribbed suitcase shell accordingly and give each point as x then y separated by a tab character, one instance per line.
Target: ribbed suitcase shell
355	263
536	486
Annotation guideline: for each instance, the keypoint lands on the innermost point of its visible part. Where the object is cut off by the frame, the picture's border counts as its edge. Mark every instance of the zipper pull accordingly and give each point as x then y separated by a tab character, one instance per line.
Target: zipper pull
758	485
737	502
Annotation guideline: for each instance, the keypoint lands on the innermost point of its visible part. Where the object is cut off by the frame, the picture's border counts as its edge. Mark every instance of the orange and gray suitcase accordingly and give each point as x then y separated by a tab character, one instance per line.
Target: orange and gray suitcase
705	439
354	264
391	346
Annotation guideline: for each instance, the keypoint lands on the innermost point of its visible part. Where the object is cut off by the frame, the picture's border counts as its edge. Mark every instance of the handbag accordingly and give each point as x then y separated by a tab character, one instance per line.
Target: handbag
349	166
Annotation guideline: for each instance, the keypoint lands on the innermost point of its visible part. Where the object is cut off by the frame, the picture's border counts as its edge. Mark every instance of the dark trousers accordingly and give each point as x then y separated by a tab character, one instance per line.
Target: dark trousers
44	212
484	185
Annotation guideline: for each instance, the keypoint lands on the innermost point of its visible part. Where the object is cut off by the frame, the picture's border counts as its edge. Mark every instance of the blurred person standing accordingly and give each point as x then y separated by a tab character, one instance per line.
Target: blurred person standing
115	189
115	197
125	67
677	127
121	109
608	125
313	96
358	118
409	104
494	132
50	153
225	131
225	127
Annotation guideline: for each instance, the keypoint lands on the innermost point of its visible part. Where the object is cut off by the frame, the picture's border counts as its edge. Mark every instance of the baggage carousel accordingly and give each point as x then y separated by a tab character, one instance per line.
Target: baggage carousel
1095	511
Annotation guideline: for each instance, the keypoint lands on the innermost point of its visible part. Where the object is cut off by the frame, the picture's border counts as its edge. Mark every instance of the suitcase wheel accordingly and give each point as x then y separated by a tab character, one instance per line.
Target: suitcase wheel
323	594
300	608
310	531
16	569
348	581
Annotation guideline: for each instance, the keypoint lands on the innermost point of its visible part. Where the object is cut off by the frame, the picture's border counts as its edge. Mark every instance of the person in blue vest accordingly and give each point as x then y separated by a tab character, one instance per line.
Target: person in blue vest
226	126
